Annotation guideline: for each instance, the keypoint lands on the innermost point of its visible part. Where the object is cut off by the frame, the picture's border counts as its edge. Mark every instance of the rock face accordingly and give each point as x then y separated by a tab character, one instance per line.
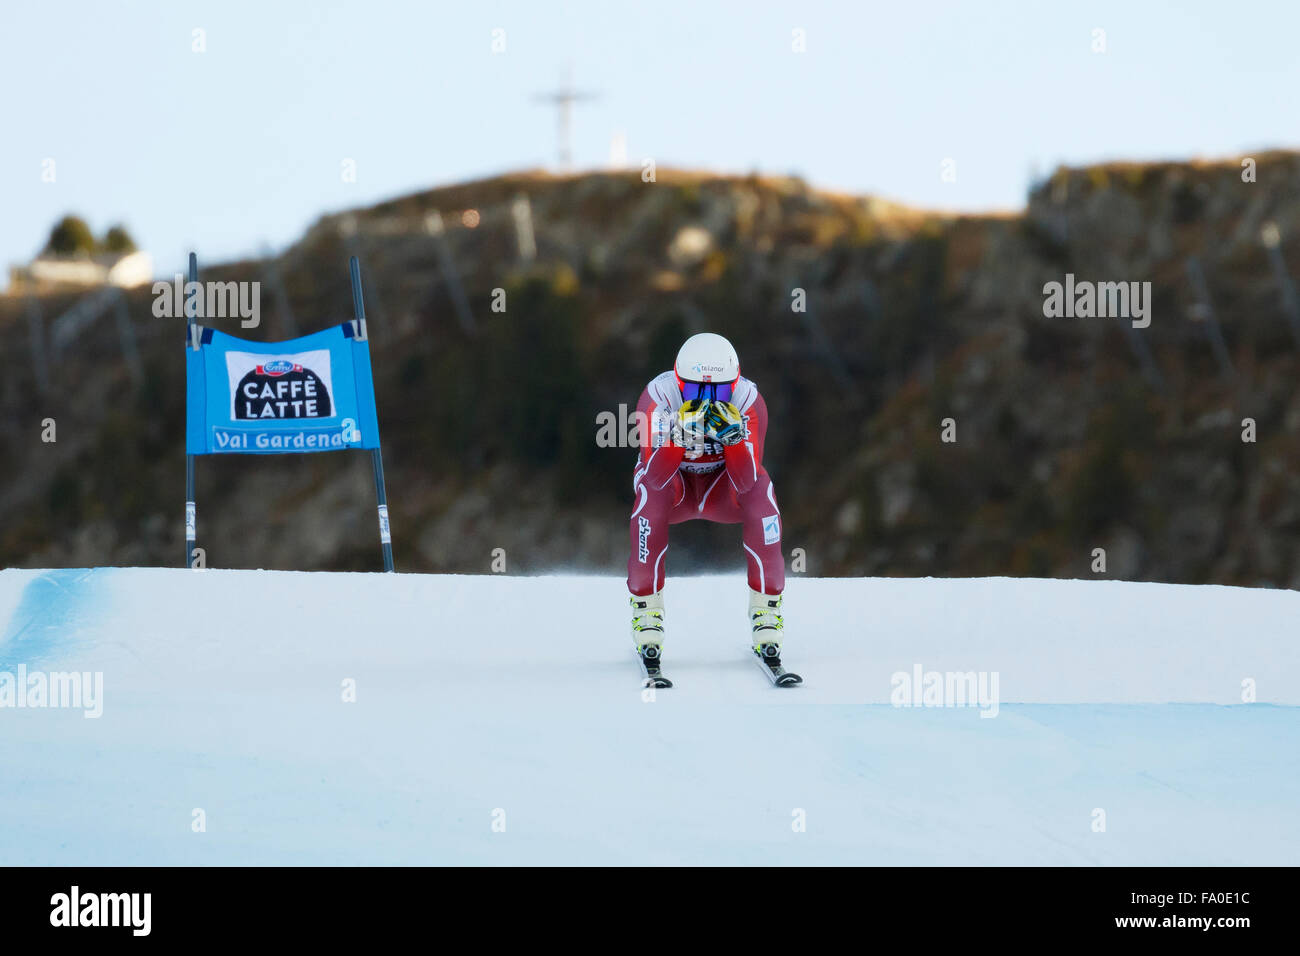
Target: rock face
928	416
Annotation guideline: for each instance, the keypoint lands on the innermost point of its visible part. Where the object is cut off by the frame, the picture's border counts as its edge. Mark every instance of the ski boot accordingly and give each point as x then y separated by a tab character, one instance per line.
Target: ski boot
765	619
648	635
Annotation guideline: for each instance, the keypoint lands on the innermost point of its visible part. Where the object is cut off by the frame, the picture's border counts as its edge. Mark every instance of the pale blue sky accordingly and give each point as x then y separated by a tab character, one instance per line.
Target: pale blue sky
240	146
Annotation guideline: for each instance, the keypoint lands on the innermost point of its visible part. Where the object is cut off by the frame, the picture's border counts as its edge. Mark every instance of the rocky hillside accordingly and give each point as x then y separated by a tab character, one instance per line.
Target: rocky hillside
1071	434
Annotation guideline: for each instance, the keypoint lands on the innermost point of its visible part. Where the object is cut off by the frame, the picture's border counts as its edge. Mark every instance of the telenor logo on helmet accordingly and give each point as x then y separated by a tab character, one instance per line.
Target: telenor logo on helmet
705	371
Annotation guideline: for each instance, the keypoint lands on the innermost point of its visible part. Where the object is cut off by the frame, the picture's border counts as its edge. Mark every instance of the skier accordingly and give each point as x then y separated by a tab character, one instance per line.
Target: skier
702	434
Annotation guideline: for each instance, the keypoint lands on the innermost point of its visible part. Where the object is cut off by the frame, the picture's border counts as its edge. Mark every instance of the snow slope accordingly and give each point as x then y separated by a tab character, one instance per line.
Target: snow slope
483	699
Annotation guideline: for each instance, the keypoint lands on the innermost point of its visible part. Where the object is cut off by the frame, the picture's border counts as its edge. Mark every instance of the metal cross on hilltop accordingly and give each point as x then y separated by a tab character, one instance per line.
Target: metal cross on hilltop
564	98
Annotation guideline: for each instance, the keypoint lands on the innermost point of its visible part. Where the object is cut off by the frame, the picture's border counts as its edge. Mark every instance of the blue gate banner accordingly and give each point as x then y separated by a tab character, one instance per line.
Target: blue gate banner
308	394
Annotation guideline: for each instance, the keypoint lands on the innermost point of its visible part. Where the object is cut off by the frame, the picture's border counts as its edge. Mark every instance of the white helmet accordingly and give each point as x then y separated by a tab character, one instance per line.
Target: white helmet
707	357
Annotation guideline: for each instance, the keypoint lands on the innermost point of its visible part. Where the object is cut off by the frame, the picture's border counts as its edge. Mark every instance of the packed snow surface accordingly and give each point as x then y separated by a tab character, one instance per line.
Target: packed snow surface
281	718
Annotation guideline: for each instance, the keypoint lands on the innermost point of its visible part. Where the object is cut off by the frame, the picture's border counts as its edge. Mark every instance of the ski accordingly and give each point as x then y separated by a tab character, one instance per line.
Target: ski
778	675
651	674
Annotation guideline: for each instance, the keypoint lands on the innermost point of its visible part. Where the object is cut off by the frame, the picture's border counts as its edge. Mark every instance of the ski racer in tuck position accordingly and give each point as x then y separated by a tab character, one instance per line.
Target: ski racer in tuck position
702	458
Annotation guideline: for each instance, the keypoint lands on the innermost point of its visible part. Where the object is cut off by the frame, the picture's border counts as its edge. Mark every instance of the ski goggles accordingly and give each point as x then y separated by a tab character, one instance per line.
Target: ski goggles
707	391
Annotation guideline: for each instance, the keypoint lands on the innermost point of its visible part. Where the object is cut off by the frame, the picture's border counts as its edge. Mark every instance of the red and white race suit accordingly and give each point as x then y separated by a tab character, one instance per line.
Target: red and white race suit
727	485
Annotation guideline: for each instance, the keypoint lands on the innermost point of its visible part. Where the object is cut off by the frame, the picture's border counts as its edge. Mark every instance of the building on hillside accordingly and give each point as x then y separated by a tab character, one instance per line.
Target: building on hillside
63	273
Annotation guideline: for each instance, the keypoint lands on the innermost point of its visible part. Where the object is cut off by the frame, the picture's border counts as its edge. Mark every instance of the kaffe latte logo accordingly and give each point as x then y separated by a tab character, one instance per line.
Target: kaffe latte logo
282	403
280	387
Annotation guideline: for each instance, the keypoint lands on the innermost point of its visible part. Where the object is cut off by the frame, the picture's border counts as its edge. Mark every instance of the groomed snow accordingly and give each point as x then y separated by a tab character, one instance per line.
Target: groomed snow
490	699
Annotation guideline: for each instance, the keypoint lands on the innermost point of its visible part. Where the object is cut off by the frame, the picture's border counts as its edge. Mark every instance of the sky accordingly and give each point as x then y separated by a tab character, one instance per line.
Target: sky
238	147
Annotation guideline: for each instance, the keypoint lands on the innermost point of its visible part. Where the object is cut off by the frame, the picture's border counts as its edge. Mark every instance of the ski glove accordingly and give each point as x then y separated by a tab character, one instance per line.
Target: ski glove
724	423
691	429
